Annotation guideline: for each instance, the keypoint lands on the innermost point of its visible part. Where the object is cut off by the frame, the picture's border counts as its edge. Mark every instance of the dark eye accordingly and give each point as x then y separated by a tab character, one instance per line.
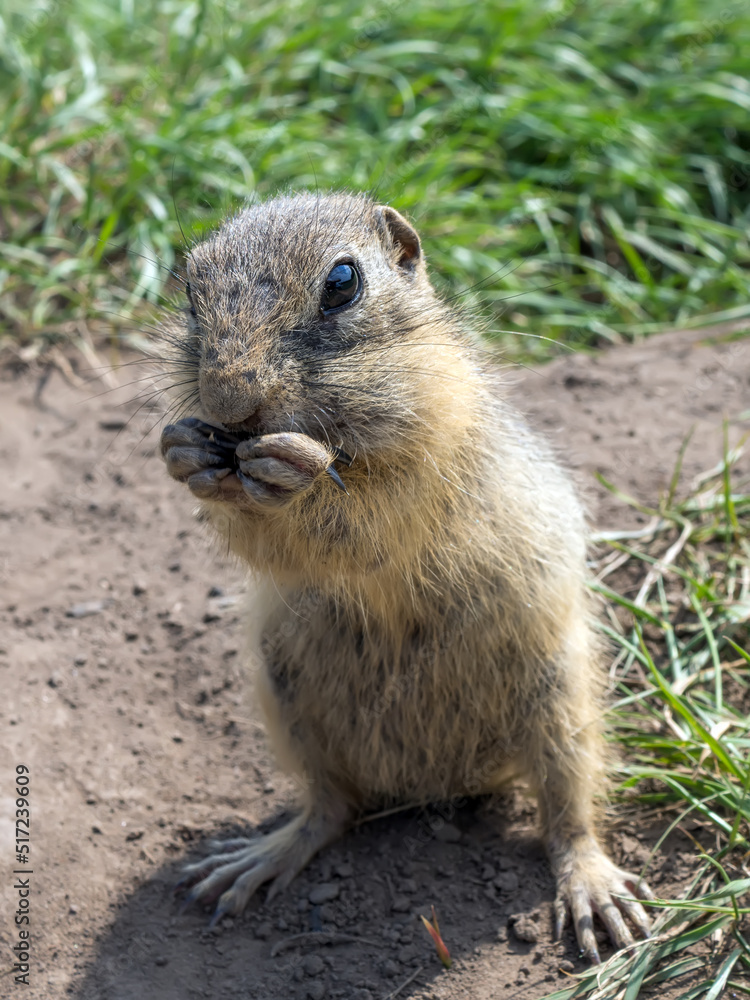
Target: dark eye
342	287
190	299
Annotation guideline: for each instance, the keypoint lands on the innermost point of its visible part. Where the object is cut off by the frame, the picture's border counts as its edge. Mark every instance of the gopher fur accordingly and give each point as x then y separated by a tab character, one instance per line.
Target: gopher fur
422	618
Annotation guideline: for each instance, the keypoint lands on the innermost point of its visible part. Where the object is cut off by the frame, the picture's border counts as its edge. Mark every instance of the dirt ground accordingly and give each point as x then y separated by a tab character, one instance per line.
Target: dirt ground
124	694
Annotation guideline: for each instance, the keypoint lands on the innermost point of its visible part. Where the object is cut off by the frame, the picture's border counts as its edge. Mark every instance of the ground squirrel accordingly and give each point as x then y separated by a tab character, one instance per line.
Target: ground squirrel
423	619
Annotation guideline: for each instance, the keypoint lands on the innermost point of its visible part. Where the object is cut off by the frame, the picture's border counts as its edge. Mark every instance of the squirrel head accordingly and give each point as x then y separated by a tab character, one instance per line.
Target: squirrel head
307	313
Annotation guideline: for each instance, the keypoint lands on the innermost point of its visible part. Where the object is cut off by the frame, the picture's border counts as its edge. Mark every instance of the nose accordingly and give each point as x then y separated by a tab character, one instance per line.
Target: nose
230	396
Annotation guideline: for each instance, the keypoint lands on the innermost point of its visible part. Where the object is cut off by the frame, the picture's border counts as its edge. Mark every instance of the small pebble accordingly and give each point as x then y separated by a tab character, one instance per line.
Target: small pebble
525	929
313	965
323	893
506	882
263	931
401	904
488	873
408	954
86	608
316	990
566	966
629	844
447	833
345	871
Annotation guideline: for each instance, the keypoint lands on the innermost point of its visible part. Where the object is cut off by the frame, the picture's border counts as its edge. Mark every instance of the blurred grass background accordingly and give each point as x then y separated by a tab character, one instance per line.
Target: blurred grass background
587	163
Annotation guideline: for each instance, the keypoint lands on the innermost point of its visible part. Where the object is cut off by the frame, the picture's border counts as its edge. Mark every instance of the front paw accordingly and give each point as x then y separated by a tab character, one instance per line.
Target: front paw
202	456
275	468
589	883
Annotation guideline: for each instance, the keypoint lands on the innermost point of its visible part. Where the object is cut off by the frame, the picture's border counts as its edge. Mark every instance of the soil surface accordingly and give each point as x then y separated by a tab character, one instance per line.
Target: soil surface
124	694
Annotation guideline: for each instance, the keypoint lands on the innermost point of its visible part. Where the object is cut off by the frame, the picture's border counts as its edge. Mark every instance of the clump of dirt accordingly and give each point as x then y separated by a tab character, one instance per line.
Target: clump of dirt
125	695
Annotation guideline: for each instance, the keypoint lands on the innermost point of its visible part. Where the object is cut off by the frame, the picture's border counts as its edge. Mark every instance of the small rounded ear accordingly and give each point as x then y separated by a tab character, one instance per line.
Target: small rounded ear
402	236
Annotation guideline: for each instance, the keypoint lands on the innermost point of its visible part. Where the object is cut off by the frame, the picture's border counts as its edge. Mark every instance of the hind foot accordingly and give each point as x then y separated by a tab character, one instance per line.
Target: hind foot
587	883
241	866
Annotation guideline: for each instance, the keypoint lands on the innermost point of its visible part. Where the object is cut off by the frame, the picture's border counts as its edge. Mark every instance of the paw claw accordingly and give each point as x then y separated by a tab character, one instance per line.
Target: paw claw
218	914
185	905
561	913
590	883
231	878
643	890
336	478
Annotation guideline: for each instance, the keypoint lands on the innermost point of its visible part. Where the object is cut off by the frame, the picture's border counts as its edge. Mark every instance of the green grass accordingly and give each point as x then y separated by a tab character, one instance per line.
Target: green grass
588	163
678	615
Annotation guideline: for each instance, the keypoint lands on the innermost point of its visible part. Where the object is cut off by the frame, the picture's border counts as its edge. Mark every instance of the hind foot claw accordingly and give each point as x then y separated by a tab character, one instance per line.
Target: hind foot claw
588	883
240	867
